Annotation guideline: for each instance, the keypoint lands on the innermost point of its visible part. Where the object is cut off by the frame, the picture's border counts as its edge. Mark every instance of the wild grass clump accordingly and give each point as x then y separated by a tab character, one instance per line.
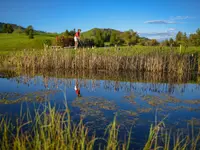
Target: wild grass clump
49	129
53	130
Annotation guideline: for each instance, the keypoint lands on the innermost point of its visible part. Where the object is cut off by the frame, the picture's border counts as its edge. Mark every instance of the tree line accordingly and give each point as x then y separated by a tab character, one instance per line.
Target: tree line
184	40
8	28
109	37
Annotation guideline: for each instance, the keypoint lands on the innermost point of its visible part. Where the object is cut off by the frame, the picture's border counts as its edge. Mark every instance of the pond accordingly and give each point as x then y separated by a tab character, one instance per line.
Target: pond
137	100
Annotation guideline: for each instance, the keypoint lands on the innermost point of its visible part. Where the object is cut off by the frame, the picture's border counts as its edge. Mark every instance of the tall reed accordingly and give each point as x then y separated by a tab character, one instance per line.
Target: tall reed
110	60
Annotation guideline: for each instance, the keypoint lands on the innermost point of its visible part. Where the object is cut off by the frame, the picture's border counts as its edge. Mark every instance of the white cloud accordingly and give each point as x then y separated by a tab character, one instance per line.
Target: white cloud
172	20
171	29
170	33
158	33
160	22
181	17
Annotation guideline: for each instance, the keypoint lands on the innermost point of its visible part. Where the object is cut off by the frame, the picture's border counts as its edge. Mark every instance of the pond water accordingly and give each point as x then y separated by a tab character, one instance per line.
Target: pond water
136	102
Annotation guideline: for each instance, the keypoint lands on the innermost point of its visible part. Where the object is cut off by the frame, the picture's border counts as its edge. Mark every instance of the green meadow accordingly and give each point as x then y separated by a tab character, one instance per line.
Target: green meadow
16	42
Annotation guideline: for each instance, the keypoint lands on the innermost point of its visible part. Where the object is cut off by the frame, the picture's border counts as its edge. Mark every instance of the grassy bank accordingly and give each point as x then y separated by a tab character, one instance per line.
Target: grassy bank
155	59
51	129
16	42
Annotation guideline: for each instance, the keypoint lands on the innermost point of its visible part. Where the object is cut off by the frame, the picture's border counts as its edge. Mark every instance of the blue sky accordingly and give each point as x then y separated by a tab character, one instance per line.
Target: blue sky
154	19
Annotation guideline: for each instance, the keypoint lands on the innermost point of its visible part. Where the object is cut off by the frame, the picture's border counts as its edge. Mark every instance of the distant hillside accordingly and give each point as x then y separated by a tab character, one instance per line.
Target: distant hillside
91	33
15	26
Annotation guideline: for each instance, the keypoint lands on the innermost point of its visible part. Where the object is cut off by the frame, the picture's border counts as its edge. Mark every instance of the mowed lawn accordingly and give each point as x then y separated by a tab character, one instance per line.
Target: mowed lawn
16	42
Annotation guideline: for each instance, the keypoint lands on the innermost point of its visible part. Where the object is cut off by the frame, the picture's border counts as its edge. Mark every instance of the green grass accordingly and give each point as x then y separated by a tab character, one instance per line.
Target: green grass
137	50
16	42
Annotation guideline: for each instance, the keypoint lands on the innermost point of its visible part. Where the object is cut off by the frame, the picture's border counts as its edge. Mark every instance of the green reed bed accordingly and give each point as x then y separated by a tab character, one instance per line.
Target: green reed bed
51	130
156	59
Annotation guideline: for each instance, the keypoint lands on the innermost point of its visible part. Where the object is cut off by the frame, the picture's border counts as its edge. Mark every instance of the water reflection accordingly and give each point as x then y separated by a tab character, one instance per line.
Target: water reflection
133	97
77	88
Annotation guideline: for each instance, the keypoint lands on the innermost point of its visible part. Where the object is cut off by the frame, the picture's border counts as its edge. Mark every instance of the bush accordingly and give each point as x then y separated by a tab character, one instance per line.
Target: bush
48	42
30	32
18	30
88	42
31	36
64	41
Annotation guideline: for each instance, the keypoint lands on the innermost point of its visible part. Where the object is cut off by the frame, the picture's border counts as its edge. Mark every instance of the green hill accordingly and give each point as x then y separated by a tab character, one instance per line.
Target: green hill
15	26
92	33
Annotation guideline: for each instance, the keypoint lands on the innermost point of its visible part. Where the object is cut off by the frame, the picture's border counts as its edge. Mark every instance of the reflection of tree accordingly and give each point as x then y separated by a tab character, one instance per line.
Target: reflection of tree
141	82
142	90
7	74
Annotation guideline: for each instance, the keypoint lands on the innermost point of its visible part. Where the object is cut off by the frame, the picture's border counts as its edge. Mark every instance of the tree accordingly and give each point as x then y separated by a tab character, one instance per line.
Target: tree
107	35
130	37
184	40
179	37
166	43
154	42
31	35
99	41
198	37
30	32
194	39
18	30
114	39
72	32
28	29
171	42
67	33
134	39
7	28
126	36
142	41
